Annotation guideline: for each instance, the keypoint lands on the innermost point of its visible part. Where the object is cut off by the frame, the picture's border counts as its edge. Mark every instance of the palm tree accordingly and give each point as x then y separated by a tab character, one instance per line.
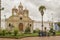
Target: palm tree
41	9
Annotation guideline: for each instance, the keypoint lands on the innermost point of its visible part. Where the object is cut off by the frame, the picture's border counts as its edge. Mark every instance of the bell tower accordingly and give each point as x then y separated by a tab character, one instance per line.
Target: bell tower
14	11
20	7
26	12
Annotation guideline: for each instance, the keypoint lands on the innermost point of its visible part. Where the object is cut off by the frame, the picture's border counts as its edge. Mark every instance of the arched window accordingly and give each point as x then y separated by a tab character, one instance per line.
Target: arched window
9	24
20	18
30	25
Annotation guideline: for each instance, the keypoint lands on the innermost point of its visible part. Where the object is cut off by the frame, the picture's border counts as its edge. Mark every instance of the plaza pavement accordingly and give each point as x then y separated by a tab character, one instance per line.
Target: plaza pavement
35	38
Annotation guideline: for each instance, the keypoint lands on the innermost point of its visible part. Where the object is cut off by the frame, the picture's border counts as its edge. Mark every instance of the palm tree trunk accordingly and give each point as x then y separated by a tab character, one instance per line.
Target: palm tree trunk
42	22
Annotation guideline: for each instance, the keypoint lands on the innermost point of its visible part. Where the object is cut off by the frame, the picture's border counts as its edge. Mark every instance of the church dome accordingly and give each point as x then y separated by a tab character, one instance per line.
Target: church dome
25	10
14	8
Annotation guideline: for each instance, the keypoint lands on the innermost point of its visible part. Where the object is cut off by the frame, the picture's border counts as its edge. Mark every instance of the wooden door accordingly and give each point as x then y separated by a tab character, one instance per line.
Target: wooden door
21	26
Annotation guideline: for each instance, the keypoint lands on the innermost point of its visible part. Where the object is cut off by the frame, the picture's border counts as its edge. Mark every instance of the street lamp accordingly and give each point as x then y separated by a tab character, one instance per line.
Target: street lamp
5	20
1	9
5	17
48	21
52	20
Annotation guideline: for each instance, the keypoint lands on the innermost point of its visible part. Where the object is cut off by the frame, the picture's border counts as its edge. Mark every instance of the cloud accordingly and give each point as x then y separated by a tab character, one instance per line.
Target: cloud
52	6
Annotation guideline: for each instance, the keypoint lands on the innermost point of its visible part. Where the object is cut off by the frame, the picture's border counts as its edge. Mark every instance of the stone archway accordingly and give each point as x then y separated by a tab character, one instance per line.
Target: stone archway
21	26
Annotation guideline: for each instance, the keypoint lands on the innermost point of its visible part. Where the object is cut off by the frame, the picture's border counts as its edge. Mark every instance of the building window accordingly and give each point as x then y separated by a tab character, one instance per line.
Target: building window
9	24
20	18
30	25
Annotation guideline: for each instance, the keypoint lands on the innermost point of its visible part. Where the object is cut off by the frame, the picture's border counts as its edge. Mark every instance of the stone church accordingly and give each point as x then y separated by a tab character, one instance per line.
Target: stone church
20	19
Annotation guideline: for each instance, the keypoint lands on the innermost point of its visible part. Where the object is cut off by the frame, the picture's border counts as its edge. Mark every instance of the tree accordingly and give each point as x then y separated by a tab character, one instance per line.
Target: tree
58	24
41	9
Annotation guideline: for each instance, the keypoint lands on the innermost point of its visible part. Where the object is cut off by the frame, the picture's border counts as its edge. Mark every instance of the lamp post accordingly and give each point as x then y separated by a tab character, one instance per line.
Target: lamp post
52	20
5	20
48	21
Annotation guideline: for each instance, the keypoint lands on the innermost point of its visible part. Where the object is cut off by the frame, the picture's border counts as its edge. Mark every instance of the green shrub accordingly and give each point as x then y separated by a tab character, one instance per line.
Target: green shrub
27	30
36	31
9	32
3	32
0	33
15	32
51	30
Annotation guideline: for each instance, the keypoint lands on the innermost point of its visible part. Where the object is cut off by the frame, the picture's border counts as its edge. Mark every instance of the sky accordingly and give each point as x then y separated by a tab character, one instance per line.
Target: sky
52	6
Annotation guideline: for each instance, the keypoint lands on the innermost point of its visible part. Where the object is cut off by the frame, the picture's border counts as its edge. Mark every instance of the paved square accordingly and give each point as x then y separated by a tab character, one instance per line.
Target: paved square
35	38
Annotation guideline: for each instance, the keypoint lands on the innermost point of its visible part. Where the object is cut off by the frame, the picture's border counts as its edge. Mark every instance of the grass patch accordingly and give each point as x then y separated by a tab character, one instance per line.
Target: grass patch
58	33
22	35
33	34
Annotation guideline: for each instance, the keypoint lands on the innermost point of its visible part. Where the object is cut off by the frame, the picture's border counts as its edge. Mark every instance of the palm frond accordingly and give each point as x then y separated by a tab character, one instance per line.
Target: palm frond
41	8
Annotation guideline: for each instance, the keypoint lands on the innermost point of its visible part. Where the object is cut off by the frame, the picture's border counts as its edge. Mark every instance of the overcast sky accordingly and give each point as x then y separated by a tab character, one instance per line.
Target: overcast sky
52	6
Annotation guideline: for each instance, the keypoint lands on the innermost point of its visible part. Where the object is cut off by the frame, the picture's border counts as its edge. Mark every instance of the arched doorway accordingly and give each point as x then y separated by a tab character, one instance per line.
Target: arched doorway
21	26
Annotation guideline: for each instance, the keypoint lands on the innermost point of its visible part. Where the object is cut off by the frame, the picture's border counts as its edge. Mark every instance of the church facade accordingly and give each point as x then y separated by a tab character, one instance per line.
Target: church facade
20	19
